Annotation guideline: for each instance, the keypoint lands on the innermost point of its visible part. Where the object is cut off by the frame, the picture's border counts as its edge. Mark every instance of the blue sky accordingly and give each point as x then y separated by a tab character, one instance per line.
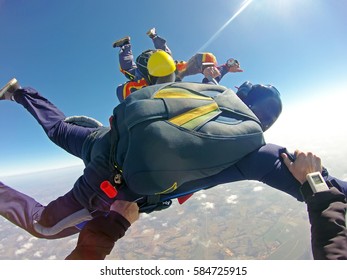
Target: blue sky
64	50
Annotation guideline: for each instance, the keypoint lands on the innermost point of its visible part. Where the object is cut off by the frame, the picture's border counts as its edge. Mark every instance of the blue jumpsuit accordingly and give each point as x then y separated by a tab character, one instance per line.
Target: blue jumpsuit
126	58
128	67
93	145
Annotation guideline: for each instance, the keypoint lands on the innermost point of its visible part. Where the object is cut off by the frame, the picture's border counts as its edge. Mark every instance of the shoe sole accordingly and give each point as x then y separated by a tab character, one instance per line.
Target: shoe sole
151	32
120	42
7	86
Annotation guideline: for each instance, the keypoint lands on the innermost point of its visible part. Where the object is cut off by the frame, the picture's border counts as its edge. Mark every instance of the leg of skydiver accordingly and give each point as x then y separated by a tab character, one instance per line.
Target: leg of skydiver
67	136
126	59
126	62
22	209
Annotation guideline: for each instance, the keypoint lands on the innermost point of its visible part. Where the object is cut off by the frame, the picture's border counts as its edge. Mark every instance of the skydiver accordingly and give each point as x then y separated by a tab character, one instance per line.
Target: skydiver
132	69
195	65
93	145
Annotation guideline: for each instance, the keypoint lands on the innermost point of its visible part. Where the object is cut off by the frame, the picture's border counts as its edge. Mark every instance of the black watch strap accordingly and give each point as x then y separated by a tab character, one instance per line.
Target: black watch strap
306	190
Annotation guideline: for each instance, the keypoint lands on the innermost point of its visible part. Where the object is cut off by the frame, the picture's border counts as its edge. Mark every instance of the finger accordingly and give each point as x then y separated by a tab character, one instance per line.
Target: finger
287	160
318	163
296	153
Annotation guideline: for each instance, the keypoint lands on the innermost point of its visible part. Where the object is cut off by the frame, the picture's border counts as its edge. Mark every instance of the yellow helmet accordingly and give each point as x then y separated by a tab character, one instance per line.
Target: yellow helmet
160	64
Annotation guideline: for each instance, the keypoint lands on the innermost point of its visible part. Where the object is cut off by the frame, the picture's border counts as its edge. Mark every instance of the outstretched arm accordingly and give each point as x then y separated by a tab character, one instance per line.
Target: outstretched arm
97	238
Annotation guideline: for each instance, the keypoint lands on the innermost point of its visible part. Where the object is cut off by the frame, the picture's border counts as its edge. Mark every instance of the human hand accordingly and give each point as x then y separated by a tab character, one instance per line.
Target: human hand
233	65
235	68
129	210
211	72
303	164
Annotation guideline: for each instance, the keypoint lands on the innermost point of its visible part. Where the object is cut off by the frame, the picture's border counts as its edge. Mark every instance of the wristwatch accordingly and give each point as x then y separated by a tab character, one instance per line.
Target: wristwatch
231	62
315	183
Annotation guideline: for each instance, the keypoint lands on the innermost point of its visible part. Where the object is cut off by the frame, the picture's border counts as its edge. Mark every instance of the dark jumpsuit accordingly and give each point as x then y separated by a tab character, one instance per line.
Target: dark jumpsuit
92	145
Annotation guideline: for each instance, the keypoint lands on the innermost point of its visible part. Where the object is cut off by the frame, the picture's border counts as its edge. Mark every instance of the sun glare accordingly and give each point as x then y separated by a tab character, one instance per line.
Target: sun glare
286	9
243	6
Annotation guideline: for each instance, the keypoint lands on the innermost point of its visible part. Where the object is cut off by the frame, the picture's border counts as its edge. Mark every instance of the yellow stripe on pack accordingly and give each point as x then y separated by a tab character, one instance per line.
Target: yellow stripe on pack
171	189
200	120
179	93
186	117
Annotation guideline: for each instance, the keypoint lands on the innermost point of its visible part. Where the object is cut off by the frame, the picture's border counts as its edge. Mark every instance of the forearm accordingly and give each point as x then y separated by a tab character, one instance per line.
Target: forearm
327	212
97	238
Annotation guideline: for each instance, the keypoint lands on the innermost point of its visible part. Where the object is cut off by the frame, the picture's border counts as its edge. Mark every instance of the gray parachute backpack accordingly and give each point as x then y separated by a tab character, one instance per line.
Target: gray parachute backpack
169	134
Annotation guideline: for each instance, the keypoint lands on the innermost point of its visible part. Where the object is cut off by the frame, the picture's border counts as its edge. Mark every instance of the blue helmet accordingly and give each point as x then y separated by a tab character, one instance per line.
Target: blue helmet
264	101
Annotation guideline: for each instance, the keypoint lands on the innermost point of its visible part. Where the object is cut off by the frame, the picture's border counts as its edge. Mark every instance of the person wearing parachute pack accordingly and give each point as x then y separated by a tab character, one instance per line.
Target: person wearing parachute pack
200	63
205	117
137	73
197	64
165	66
